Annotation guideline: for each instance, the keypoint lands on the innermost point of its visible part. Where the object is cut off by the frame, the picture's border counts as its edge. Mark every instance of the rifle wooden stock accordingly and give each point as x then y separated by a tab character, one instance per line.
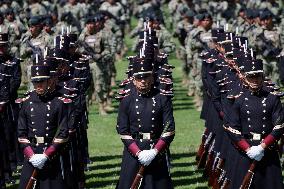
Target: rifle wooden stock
249	176
32	179
200	151
208	167
138	178
202	160
217	174
226	184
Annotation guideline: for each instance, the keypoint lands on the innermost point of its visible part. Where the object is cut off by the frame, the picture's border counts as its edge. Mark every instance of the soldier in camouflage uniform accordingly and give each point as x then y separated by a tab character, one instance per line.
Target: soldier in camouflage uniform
34	42
35	8
15	29
250	27
117	10
184	27
268	45
165	42
197	40
74	8
173	7
95	42
48	28
116	35
67	19
240	20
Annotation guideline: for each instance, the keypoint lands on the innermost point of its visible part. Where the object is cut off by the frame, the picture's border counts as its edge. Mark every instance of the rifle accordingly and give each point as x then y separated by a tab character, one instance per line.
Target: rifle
201	147
208	171
217	174
226	184
33	179
205	46
88	49
202	160
139	176
36	50
249	176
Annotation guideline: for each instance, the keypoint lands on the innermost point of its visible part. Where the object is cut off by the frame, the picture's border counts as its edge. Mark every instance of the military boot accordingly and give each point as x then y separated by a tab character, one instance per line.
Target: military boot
107	106
198	102
113	84
102	110
190	93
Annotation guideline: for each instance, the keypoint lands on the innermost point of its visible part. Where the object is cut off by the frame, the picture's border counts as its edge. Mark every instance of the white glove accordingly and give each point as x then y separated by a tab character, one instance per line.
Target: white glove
34	160
38	160
146	156
43	159
256	152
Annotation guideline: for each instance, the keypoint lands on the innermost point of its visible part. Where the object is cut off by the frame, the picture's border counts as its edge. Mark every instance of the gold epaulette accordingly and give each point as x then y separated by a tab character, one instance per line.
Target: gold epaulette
231	96
277	93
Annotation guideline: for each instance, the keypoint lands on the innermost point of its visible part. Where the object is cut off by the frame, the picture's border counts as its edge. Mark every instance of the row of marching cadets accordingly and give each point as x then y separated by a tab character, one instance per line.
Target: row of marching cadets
145	119
243	117
51	126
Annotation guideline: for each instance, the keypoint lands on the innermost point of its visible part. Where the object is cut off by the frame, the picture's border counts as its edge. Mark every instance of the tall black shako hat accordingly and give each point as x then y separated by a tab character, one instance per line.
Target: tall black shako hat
142	67
253	66
40	72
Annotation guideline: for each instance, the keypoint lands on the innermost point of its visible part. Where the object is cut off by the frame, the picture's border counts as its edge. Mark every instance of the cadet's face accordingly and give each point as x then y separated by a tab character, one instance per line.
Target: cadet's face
143	84
255	81
41	87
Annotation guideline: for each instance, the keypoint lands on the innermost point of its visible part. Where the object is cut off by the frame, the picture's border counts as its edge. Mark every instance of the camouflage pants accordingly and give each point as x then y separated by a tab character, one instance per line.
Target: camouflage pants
184	66
195	78
271	70
112	69
101	80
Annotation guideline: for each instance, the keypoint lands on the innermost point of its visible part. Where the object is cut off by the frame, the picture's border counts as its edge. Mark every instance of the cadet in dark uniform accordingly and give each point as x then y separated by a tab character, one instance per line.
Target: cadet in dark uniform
4	101
11	82
42	132
255	126
146	126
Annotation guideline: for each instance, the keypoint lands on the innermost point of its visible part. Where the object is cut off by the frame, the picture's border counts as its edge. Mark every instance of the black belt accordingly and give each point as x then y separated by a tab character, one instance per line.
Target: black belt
145	136
40	140
254	136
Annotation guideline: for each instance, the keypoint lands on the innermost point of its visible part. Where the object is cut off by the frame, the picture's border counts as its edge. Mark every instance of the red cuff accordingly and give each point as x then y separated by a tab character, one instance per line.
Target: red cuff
243	145
270	139
133	148
221	114
28	152
50	151
161	145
